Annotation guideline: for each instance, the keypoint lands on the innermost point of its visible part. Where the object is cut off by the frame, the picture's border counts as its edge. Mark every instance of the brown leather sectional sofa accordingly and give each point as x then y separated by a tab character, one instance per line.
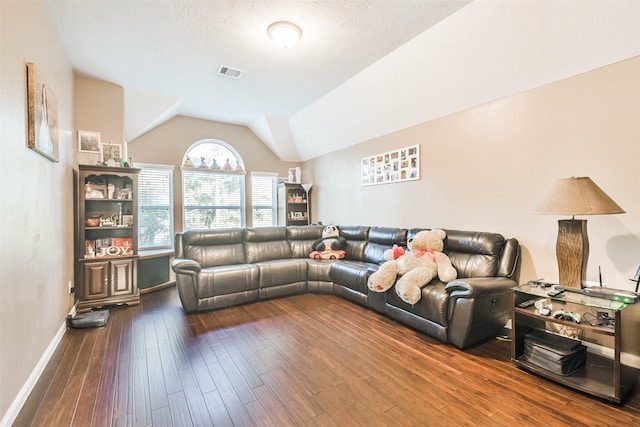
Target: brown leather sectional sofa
221	268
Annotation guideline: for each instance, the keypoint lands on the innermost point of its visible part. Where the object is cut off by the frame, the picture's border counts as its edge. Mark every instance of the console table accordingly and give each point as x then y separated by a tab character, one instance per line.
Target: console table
604	375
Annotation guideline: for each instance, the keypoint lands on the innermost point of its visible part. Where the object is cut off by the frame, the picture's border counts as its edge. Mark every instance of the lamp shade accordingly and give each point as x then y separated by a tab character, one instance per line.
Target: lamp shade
577	196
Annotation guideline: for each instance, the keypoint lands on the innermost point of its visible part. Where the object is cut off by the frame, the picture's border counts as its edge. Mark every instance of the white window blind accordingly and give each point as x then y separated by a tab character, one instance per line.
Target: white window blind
155	207
263	199
212	199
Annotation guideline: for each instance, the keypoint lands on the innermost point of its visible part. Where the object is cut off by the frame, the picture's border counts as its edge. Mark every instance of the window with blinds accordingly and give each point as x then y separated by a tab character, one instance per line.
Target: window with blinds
263	199
155	207
212	199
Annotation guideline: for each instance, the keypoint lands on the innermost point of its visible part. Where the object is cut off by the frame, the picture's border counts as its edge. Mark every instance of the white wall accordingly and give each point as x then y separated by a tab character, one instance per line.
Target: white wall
36	215
486	169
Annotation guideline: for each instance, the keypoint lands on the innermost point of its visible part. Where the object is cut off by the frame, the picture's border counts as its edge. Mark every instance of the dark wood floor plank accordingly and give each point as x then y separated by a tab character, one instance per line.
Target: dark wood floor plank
123	393
103	411
162	417
195	401
311	360
235	378
180	416
140	392
45	398
230	398
157	390
72	392
90	387
273	406
169	368
217	410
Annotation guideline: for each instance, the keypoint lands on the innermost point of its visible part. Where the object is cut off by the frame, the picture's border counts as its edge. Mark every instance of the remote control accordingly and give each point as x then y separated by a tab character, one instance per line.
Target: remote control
555	293
527	303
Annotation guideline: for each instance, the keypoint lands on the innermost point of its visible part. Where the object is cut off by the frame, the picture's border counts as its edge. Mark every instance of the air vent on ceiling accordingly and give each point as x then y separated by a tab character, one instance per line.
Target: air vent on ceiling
230	72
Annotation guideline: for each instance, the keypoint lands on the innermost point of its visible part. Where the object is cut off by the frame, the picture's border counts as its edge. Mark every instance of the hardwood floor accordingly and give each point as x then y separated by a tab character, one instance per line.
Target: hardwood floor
309	360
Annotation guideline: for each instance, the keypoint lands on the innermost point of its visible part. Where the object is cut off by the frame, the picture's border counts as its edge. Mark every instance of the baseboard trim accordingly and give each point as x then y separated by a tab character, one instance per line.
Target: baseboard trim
16	406
159	287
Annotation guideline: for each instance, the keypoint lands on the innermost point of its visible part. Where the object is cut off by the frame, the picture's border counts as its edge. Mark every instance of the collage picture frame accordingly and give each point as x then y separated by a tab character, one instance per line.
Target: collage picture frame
393	166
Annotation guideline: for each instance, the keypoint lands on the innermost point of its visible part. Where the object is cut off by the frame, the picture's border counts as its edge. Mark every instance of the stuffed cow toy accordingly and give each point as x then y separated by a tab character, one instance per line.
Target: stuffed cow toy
417	267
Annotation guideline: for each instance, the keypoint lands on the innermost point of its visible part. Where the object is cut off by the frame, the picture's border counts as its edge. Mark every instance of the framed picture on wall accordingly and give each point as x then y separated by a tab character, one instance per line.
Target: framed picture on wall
88	142
393	166
42	115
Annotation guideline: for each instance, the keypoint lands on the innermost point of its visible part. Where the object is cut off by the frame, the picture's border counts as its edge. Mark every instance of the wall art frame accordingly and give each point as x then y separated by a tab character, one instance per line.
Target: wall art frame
295	175
105	147
393	166
88	142
42	116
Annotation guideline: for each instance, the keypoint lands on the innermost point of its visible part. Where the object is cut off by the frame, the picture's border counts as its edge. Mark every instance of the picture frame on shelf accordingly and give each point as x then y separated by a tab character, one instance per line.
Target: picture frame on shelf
294	175
104	152
88	142
127	220
42	116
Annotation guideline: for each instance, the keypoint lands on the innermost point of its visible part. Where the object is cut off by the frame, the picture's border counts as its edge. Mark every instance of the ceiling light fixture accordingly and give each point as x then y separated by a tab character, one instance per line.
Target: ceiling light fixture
284	34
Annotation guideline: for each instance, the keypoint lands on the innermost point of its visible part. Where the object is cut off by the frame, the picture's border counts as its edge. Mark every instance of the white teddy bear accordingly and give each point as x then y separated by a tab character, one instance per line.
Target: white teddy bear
418	267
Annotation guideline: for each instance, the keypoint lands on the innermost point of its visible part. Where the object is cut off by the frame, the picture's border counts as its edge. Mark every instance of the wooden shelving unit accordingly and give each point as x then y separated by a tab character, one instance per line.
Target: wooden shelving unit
106	236
293	205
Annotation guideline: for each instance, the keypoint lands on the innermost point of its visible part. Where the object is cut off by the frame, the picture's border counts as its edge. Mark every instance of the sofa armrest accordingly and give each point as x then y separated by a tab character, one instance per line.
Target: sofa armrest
187	282
479	307
186	266
475	286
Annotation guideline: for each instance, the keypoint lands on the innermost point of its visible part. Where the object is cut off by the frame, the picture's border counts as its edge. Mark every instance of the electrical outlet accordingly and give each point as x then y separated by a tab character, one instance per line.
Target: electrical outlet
71	287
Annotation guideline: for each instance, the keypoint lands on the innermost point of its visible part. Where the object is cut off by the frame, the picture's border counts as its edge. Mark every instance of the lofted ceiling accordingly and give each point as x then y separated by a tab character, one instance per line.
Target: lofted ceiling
166	54
363	68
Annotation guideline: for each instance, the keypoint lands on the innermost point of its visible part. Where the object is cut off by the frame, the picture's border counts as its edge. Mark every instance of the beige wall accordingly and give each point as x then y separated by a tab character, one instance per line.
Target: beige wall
486	168
99	108
36	217
482	169
168	143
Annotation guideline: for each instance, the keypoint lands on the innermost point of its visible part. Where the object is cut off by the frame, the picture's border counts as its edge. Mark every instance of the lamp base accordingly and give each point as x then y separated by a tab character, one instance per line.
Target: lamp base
572	251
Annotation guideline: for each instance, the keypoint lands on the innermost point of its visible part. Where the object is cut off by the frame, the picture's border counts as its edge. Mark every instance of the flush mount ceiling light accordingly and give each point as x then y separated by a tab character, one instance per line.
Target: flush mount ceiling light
284	34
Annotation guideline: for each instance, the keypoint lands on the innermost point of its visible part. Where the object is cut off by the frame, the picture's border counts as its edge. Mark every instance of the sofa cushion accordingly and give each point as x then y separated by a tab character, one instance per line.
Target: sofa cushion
282	271
356	237
227	279
266	243
319	270
301	238
433	305
211	248
352	274
381	239
474	254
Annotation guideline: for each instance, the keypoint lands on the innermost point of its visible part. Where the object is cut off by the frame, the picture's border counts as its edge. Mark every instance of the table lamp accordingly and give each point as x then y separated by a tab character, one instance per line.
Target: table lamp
575	196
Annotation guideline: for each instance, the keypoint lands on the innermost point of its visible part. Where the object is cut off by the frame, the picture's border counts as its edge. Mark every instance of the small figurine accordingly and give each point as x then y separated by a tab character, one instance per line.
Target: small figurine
238	167
203	164
215	164
227	166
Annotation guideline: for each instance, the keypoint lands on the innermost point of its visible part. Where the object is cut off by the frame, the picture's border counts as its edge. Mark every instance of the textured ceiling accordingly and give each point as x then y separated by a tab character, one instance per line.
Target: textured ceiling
166	53
362	69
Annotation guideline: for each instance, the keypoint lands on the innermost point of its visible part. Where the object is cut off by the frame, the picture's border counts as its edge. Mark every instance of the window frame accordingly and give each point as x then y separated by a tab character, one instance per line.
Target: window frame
170	207
198	170
274	198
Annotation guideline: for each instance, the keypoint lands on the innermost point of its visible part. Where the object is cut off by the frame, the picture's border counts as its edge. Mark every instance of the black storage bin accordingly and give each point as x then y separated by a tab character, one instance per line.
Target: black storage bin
560	355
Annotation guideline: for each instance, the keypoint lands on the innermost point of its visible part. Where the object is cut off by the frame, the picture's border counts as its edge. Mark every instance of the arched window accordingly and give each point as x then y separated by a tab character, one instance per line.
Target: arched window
213	182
